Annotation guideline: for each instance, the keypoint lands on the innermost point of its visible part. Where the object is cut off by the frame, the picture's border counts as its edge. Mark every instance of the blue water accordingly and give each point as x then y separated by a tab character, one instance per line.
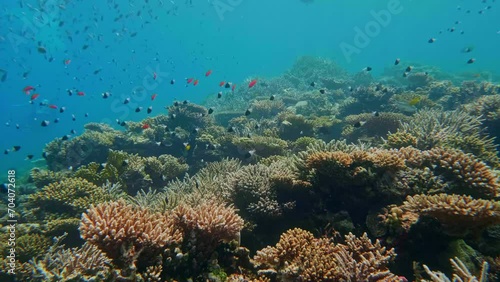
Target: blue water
236	39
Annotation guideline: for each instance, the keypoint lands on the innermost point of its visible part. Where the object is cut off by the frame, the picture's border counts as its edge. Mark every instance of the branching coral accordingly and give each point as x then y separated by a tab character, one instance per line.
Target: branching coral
301	257
456	213
42	177
124	231
68	197
460	273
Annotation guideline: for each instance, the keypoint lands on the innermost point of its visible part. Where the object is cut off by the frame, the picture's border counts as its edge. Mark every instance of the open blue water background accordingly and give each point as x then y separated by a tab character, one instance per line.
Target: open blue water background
236	39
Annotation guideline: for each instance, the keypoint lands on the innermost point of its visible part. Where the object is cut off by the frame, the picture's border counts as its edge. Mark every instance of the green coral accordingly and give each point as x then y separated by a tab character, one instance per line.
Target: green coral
66	198
263	146
29	246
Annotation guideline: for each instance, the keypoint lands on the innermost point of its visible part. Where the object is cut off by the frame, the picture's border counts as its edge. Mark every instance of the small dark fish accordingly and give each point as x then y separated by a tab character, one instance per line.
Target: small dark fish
45	155
72	131
185	102
138	109
313	84
432	40
106	95
45	123
272	97
62	109
84	47
123	123
29	157
127	100
73	117
409	68
97	71
70	92
219	95
66	137
41	50
368	68
210	111
196	130
248	112
176	104
228	85
6	152
322	91
16	148
3	75
172	81
55	121
173	116
257	126
397	61
405	74
359	124
125	163
249	154
86	115
150	109
231	129
471	60
376	114
17	126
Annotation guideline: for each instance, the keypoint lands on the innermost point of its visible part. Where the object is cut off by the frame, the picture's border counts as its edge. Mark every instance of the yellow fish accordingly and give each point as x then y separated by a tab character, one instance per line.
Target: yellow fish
414	101
187	146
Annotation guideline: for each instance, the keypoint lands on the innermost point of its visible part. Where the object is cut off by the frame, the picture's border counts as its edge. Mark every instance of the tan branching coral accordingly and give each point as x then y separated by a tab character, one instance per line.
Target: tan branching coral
116	227
42	177
478	178
454	211
299	256
400	139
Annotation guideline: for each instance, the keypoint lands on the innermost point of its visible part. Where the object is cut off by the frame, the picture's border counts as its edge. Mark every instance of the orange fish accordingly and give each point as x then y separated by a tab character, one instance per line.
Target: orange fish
80	93
252	83
145	126
153	96
195	82
52	106
222	83
154	75
209	72
34	96
189	80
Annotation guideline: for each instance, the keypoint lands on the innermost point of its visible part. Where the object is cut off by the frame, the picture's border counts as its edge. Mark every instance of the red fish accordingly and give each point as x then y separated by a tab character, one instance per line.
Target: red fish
222	83
67	61
80	93
145	126
195	82
209	72
252	83
52	106
189	80
153	96
154	75
34	96
27	89
234	87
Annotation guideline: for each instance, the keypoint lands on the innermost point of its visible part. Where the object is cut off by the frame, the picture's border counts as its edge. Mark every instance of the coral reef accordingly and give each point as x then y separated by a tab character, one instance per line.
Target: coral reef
299	256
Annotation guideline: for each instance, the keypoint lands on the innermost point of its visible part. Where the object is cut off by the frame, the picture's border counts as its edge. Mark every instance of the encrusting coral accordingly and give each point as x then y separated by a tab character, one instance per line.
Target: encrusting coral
298	256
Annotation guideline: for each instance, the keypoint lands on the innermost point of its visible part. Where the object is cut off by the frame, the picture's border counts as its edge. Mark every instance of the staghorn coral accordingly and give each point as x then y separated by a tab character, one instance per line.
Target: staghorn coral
298	256
460	273
486	106
470	175
164	168
87	263
122	230
188	116
456	213
434	128
266	108
30	246
66	198
42	177
400	139
375	125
